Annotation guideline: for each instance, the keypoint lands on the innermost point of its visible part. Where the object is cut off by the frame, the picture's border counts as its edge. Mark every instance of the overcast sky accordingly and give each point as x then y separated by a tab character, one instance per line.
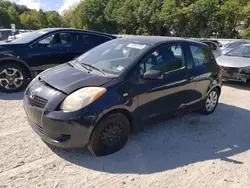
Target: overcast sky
58	5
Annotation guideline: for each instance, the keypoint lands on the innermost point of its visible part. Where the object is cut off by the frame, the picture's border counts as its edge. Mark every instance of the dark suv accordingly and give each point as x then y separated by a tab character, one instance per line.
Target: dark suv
96	100
23	58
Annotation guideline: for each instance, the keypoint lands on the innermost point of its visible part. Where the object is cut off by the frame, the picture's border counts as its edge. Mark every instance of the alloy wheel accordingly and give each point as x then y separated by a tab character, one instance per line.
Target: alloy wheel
211	101
11	78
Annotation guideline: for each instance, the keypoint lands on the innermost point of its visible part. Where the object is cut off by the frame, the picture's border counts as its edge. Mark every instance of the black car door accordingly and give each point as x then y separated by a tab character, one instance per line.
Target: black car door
203	66
53	49
171	93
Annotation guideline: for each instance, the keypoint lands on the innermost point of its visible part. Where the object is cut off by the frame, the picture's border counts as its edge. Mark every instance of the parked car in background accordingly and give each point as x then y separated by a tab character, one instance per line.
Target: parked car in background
215	41
22	58
226	48
214	47
5	33
95	100
235	64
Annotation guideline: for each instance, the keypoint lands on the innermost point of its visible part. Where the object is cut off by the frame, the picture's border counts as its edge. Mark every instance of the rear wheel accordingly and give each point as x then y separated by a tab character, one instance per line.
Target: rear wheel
210	102
13	77
110	135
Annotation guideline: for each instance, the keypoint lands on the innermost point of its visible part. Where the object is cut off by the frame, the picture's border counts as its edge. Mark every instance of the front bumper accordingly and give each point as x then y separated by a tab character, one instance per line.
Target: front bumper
66	130
234	74
235	77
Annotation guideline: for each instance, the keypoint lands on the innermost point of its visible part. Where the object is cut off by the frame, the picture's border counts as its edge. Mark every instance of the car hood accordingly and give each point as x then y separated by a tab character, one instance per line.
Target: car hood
68	79
233	61
9	45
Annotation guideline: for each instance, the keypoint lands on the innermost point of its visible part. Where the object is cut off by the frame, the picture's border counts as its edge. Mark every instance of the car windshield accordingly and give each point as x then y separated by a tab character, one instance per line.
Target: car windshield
113	57
235	51
236	44
243	51
29	37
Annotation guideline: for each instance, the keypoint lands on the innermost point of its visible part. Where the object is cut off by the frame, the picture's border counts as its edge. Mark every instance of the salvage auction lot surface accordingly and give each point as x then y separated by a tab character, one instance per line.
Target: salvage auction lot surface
189	151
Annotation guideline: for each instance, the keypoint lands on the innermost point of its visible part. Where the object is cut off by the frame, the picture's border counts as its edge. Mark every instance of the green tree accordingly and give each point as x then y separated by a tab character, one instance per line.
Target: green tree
14	16
54	19
41	18
28	20
229	18
4	18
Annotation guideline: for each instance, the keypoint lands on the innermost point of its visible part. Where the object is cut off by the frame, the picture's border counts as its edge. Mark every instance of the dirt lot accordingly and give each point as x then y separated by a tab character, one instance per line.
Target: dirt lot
190	151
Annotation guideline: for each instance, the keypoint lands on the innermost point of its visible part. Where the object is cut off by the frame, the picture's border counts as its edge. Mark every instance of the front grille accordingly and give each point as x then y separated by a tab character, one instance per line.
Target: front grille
230	70
37	128
37	101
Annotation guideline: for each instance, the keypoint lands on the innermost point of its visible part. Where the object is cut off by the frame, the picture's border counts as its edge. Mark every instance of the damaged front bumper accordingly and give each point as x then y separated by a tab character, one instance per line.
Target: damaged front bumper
235	74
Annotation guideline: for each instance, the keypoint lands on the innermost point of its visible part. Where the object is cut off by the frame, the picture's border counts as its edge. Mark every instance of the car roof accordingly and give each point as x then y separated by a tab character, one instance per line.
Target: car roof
72	29
154	40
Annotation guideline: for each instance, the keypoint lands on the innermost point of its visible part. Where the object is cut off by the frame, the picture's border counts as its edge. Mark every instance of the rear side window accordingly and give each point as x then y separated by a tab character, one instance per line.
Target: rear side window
90	40
200	55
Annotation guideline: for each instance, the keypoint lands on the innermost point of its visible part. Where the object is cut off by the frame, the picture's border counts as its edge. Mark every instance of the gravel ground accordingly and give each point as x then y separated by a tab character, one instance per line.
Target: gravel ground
190	151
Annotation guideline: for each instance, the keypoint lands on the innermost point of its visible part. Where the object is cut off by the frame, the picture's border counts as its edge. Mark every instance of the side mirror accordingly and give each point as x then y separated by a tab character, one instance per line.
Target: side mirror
153	75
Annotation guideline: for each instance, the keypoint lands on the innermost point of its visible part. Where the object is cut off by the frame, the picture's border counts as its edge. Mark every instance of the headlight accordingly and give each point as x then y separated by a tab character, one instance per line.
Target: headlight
81	98
245	70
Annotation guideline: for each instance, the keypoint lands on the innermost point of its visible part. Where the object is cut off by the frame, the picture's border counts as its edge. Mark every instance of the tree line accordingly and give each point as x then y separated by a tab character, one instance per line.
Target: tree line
26	18
180	18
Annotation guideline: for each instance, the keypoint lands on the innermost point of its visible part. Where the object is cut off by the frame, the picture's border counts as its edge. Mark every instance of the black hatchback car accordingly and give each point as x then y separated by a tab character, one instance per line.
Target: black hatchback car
23	58
98	98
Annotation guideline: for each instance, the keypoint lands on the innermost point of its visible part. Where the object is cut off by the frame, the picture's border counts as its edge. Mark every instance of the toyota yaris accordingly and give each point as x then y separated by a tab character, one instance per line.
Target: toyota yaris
98	98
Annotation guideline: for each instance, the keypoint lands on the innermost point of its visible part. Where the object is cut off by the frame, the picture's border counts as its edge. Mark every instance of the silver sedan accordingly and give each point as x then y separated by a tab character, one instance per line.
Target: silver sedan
235	64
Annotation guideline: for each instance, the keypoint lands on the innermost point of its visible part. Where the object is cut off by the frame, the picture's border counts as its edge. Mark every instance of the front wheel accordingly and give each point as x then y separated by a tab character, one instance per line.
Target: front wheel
13	77
210	103
110	135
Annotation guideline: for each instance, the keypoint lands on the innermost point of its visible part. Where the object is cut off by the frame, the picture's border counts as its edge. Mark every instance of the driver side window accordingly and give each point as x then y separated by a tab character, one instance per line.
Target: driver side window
165	59
57	40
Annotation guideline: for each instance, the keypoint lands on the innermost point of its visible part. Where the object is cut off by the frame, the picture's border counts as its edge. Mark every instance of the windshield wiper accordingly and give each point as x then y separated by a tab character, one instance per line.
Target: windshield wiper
93	67
70	63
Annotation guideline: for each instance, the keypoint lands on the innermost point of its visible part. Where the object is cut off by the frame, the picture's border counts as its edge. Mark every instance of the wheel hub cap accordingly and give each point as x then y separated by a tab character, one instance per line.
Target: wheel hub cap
211	101
11	78
111	135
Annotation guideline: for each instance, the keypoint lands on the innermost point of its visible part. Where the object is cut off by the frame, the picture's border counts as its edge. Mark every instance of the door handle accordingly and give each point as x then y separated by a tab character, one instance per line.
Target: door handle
189	77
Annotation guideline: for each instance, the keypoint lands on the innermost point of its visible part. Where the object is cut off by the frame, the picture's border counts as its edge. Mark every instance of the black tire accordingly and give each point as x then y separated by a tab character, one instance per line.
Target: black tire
204	110
96	145
22	70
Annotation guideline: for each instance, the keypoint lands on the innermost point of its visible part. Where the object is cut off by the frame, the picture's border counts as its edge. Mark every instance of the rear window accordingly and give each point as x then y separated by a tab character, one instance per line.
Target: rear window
90	40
